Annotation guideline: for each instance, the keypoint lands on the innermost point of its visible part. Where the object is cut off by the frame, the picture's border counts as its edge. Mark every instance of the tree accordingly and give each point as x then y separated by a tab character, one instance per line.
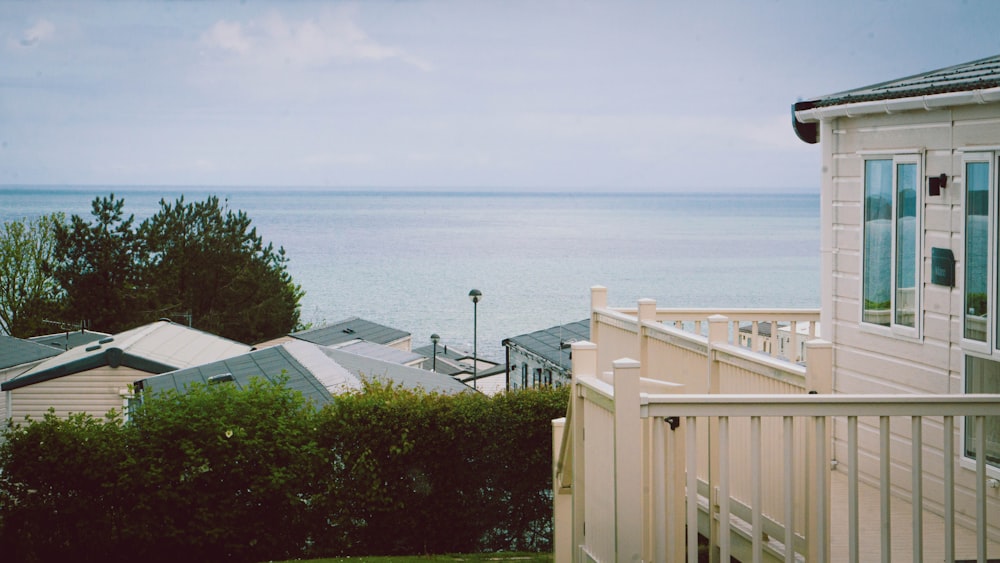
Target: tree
100	267
27	290
207	261
200	262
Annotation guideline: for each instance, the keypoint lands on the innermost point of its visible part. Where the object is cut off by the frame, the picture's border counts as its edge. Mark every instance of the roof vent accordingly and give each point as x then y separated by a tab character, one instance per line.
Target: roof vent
348	330
220	378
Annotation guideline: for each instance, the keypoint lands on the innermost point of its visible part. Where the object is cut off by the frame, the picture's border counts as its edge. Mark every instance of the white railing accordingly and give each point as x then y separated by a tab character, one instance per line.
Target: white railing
621	331
637	486
786	500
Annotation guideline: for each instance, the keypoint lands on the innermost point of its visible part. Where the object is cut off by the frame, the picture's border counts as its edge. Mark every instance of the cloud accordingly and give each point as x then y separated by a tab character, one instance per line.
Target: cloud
335	36
227	36
41	31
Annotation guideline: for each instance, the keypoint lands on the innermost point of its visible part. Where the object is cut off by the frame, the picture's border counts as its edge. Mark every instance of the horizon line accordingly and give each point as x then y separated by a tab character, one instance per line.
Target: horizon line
432	189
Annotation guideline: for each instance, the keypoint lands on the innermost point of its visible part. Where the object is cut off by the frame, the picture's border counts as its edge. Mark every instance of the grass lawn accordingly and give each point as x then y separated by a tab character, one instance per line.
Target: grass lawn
474	557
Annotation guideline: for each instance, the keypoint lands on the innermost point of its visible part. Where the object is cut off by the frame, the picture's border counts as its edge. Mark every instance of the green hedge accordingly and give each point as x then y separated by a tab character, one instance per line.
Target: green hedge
221	473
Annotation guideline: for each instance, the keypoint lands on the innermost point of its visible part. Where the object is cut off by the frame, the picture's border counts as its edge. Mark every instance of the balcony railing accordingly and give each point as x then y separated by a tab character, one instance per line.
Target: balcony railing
700	436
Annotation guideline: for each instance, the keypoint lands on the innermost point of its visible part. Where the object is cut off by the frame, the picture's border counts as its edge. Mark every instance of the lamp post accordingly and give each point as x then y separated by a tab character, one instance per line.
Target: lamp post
434	362
475	295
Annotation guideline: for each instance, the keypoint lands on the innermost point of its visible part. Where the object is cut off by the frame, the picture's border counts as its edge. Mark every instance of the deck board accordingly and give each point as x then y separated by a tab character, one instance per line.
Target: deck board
901	519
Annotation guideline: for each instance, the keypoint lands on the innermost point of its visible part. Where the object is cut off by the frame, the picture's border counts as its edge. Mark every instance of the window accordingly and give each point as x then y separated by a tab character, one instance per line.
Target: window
891	255
979	307
977	304
983	376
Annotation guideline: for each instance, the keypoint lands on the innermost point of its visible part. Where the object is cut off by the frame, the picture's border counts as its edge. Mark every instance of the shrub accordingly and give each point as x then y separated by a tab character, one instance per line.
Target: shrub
61	494
223	473
426	473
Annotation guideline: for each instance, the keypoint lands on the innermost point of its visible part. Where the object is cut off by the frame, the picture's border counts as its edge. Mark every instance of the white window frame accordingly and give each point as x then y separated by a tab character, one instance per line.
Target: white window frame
990	349
964	460
898	330
987	347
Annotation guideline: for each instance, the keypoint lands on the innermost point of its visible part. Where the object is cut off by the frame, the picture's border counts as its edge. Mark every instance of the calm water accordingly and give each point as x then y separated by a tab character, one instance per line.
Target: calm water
409	259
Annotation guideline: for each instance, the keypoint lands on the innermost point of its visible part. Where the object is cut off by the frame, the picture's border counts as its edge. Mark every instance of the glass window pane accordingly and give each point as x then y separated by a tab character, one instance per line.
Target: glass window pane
977	180
877	279
906	244
983	376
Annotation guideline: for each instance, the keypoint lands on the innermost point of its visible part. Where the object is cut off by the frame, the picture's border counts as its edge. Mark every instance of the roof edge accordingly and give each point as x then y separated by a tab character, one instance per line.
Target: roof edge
113	357
810	115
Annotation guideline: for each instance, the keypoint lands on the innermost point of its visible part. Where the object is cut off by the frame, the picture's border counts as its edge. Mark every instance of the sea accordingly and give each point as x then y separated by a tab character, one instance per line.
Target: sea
408	258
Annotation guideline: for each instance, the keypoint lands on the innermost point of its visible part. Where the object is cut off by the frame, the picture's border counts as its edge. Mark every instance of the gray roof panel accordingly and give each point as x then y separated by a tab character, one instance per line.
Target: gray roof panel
965	77
16	351
353	328
552	344
318	377
403	376
70	339
155	348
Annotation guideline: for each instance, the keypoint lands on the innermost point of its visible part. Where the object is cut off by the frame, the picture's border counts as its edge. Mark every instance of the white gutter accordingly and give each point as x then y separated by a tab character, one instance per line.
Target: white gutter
928	103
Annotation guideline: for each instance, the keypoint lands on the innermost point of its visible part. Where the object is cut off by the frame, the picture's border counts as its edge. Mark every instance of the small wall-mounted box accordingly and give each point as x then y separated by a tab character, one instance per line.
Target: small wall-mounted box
942	267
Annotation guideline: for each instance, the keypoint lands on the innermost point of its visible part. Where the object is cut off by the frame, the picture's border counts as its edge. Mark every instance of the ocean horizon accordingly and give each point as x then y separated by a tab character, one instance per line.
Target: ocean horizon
407	258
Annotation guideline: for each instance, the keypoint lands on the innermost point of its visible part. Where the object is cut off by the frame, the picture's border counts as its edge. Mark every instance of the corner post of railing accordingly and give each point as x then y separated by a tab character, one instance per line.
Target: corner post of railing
675	477
562	504
646	311
819	366
584	363
628	466
598	301
718	333
819	380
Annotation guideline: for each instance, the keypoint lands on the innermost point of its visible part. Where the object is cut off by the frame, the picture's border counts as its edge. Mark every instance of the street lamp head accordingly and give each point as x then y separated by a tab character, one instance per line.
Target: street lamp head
435	338
475	295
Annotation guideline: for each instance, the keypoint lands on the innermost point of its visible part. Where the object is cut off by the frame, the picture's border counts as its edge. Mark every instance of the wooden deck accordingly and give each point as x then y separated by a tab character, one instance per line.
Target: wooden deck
869	517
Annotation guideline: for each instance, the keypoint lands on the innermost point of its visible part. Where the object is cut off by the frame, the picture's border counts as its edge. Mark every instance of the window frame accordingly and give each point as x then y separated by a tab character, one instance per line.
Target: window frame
895	329
983	348
989	349
964	460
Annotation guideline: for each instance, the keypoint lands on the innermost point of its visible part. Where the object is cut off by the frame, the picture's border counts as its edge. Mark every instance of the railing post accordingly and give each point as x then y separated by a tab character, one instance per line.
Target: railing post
718	333
676	462
562	504
584	363
819	379
598	300
647	312
819	366
628	466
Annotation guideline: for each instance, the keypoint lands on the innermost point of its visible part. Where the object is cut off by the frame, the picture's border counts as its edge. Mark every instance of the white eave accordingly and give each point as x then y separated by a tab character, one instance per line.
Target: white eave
896	105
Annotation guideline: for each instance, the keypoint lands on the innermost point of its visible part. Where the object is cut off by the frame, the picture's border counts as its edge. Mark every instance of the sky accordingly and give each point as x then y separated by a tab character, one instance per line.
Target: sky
450	95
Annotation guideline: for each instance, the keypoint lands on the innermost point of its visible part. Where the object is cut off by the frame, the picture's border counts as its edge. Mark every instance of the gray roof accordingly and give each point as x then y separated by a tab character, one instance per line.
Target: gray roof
453	353
155	348
353	328
308	370
16	352
965	77
552	344
69	339
380	352
403	376
448	366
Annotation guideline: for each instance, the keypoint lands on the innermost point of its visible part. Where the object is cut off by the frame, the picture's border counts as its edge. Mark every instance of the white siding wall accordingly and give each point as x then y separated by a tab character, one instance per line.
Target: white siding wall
96	392
872	361
11	373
